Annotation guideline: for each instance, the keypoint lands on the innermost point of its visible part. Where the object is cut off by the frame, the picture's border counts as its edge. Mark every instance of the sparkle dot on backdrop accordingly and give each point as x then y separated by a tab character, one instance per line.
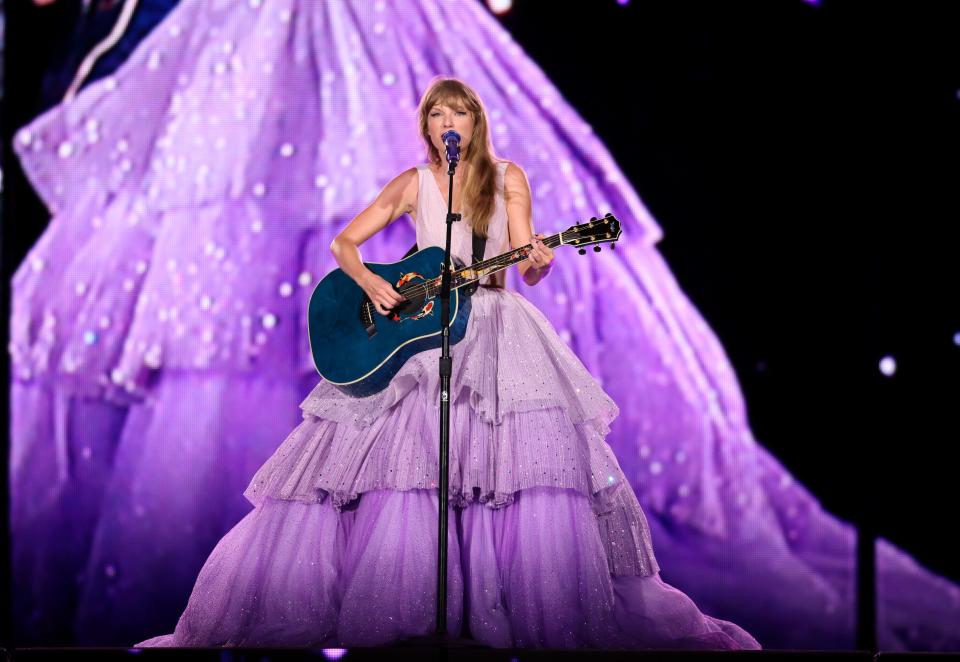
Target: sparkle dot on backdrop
888	366
500	6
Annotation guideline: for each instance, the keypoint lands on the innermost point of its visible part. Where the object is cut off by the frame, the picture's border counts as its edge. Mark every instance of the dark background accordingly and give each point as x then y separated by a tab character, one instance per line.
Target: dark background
803	162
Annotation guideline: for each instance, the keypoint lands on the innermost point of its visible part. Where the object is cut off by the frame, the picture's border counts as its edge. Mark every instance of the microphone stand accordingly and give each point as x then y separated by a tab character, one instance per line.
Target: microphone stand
440	636
446	368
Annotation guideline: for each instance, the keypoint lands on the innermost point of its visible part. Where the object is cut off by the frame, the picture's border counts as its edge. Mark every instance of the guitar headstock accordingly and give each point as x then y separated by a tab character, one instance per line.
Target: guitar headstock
594	231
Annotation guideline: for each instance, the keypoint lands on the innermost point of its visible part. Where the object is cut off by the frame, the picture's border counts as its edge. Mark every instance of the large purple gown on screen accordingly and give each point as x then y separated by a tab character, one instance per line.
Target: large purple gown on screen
160	349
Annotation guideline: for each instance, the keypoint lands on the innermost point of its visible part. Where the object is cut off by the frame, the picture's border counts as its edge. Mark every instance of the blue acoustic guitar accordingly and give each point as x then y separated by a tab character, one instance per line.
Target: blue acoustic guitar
359	350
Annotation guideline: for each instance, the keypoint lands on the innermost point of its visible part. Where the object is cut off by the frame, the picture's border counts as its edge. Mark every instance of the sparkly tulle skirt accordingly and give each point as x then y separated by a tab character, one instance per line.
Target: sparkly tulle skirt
299	574
340	548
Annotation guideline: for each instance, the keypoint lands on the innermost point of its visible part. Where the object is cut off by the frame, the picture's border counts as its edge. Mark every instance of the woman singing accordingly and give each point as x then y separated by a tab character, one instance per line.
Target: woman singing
548	545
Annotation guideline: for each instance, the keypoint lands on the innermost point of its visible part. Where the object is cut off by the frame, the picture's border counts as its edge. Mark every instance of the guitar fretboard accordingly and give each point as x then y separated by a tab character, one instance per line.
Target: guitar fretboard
467	275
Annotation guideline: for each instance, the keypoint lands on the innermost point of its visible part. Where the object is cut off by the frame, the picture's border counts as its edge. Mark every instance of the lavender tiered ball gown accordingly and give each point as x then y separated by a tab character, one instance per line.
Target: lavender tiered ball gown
340	548
160	350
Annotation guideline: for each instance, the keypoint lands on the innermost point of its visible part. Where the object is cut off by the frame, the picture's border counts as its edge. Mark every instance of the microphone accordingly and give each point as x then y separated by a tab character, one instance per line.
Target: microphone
452	141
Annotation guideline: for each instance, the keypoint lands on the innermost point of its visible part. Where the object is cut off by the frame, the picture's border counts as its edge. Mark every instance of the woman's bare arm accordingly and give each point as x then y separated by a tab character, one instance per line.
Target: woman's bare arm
520	225
397	198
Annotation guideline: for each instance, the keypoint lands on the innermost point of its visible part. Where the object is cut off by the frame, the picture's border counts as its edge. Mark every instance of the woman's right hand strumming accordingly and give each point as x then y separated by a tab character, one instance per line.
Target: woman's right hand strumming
397	198
383	296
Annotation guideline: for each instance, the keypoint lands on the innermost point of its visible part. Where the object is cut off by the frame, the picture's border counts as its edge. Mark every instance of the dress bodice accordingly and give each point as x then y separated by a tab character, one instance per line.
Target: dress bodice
431	221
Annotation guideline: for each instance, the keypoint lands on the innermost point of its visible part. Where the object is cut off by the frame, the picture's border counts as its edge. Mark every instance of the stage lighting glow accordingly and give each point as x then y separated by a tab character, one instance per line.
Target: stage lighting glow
888	366
956	339
334	653
500	6
623	3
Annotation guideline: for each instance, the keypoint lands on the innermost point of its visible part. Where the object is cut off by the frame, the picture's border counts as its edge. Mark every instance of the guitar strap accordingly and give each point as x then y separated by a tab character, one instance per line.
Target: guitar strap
479	244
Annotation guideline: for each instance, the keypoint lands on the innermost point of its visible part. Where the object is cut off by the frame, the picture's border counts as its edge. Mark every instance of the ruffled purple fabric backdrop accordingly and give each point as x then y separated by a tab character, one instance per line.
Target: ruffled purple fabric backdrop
160	348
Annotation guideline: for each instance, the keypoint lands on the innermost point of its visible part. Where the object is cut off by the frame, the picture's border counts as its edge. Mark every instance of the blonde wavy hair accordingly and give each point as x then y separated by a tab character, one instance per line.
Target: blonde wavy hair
480	187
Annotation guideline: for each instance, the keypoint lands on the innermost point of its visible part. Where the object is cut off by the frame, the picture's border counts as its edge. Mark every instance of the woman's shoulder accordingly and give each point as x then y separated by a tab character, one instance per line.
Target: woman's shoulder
513	175
511	169
401	192
405	180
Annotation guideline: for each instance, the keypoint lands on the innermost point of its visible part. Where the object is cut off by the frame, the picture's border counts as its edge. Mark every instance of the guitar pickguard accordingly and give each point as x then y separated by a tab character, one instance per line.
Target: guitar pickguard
426	310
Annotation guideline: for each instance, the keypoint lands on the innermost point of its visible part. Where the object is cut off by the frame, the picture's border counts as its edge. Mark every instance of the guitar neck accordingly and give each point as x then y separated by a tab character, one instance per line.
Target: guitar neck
471	274
606	229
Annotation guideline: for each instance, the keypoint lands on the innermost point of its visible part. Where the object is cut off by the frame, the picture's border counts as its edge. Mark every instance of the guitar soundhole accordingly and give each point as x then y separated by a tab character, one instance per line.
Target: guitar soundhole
417	305
413	306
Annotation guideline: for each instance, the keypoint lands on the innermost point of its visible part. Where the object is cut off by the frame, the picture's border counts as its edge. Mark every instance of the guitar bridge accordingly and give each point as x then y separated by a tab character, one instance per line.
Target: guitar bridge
367	317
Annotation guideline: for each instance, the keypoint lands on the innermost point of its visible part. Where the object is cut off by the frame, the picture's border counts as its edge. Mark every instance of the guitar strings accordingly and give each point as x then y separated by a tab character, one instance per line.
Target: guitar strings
500	261
503	261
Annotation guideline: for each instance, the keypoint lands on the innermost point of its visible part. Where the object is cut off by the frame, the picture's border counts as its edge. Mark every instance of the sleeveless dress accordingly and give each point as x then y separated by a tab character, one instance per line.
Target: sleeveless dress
340	547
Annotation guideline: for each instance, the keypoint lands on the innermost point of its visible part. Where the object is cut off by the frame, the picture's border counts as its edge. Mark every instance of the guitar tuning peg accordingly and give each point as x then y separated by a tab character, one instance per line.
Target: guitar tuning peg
596	249
613	245
582	251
